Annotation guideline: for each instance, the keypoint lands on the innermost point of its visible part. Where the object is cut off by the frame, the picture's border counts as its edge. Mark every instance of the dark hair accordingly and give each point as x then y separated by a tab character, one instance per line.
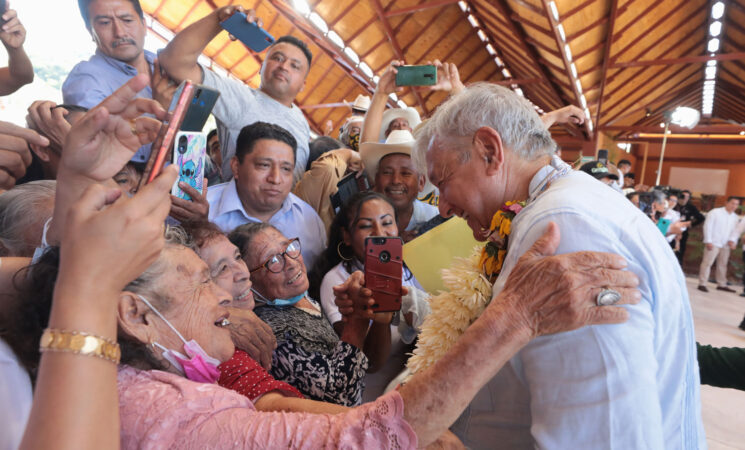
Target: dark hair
211	134
344	220
733	197
84	4
242	236
686	191
630	175
262	130
622	162
292	40
319	146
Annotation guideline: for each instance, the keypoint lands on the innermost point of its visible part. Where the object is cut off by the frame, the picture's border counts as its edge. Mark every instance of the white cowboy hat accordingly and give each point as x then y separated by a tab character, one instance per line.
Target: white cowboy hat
361	103
399	141
410	114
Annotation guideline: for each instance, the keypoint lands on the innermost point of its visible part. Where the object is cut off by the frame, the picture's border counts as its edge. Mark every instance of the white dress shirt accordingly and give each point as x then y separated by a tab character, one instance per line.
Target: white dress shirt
422	213
628	386
673	216
718	226
295	218
15	398
738	231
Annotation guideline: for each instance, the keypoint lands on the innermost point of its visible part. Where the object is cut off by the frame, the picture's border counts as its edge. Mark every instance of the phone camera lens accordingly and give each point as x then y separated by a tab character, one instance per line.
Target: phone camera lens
385	256
182	144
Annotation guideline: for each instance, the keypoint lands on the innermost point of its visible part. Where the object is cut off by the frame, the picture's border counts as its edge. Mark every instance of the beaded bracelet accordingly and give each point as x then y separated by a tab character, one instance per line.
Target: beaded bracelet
79	343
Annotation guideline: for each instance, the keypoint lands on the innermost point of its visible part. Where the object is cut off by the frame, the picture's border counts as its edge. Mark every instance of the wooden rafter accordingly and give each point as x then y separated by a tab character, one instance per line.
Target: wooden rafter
421	7
396	47
606	60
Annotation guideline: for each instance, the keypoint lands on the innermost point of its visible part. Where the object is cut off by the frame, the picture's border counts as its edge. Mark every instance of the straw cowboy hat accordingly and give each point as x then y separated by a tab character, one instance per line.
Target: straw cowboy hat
361	104
410	114
399	141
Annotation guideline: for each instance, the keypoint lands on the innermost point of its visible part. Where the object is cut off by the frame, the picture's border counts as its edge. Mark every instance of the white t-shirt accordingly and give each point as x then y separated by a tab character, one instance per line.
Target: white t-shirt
15	398
375	383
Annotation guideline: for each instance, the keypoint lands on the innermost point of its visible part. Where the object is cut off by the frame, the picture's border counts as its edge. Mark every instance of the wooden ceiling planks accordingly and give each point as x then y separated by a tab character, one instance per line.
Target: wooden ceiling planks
631	56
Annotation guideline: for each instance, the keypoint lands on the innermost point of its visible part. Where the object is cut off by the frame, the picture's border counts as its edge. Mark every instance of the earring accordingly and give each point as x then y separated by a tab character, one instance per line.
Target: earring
338	252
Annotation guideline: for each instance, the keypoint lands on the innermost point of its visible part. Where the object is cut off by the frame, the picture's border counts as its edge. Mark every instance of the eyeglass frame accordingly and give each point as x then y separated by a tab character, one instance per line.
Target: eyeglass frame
284	255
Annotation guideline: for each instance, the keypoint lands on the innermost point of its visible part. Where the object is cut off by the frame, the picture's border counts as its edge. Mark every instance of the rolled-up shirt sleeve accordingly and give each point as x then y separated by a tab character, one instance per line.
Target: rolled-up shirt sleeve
82	89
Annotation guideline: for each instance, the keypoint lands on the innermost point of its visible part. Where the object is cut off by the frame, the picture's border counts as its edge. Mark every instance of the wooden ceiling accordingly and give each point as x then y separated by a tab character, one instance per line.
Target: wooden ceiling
627	61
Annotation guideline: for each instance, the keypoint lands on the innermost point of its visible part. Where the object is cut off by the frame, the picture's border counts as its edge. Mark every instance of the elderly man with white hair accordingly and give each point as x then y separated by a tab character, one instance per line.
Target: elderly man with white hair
634	385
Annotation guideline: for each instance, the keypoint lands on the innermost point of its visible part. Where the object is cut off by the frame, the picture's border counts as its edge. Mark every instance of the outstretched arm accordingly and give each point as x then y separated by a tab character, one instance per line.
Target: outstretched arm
19	71
567	114
374	115
179	58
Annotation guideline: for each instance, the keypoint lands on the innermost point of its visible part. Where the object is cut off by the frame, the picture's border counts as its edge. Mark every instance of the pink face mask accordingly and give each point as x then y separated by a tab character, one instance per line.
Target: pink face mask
198	365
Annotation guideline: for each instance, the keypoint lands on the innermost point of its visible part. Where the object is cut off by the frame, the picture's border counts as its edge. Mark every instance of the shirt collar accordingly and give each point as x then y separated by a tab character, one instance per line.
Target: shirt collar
230	201
124	67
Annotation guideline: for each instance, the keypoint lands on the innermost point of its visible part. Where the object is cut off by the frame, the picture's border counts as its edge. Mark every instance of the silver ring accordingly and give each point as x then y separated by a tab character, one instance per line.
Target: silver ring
608	297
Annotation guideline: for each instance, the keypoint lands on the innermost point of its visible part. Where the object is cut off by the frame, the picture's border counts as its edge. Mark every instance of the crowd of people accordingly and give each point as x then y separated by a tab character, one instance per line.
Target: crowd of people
241	318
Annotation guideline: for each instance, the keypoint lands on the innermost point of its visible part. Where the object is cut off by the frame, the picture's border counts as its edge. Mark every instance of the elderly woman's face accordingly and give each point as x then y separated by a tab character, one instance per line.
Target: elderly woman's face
196	306
292	280
228	270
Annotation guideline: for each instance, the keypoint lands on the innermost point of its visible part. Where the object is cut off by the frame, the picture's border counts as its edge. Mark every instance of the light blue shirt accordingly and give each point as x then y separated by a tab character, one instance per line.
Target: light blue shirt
90	82
628	386
295	218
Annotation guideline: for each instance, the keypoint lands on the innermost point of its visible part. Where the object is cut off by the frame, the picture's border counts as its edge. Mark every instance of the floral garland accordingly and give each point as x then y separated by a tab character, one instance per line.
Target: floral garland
469	282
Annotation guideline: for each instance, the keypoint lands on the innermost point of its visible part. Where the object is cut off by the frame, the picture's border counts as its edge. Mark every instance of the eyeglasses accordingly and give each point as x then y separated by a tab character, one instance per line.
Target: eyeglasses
276	263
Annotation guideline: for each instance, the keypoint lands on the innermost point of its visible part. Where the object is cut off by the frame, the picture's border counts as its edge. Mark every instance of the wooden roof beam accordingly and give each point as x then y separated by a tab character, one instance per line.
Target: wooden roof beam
584	30
421	7
617	35
325	117
567	69
533	26
652	85
343	13
683	60
606	60
528	53
421	32
396	48
436	42
700	129
577	9
663	36
692	85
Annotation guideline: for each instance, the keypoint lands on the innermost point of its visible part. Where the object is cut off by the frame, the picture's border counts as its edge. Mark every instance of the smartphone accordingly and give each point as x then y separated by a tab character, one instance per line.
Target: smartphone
163	145
191	148
199	110
252	36
347	187
416	75
3	9
383	271
603	156
663	225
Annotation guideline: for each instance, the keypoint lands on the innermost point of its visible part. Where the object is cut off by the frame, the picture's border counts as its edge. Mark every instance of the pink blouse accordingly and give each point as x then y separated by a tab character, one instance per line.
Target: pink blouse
162	410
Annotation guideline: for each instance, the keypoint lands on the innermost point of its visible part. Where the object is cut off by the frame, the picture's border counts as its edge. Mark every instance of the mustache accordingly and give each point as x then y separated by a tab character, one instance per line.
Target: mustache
116	44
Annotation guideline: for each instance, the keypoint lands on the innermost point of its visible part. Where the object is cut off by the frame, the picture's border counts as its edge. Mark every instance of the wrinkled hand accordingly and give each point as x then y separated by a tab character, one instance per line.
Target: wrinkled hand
350	157
328	128
448	78
387	82
12	33
194	210
252	335
107	136
565	297
568	114
49	120
355	301
163	86
15	156
110	247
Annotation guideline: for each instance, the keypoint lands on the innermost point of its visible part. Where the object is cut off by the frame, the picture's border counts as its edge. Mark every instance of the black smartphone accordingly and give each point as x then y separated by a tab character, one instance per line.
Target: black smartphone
252	36
416	75
603	156
347	187
383	271
200	108
3	8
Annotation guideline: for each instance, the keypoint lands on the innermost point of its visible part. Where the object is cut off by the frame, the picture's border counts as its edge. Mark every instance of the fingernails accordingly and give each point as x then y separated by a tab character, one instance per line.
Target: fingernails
635	296
621	262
